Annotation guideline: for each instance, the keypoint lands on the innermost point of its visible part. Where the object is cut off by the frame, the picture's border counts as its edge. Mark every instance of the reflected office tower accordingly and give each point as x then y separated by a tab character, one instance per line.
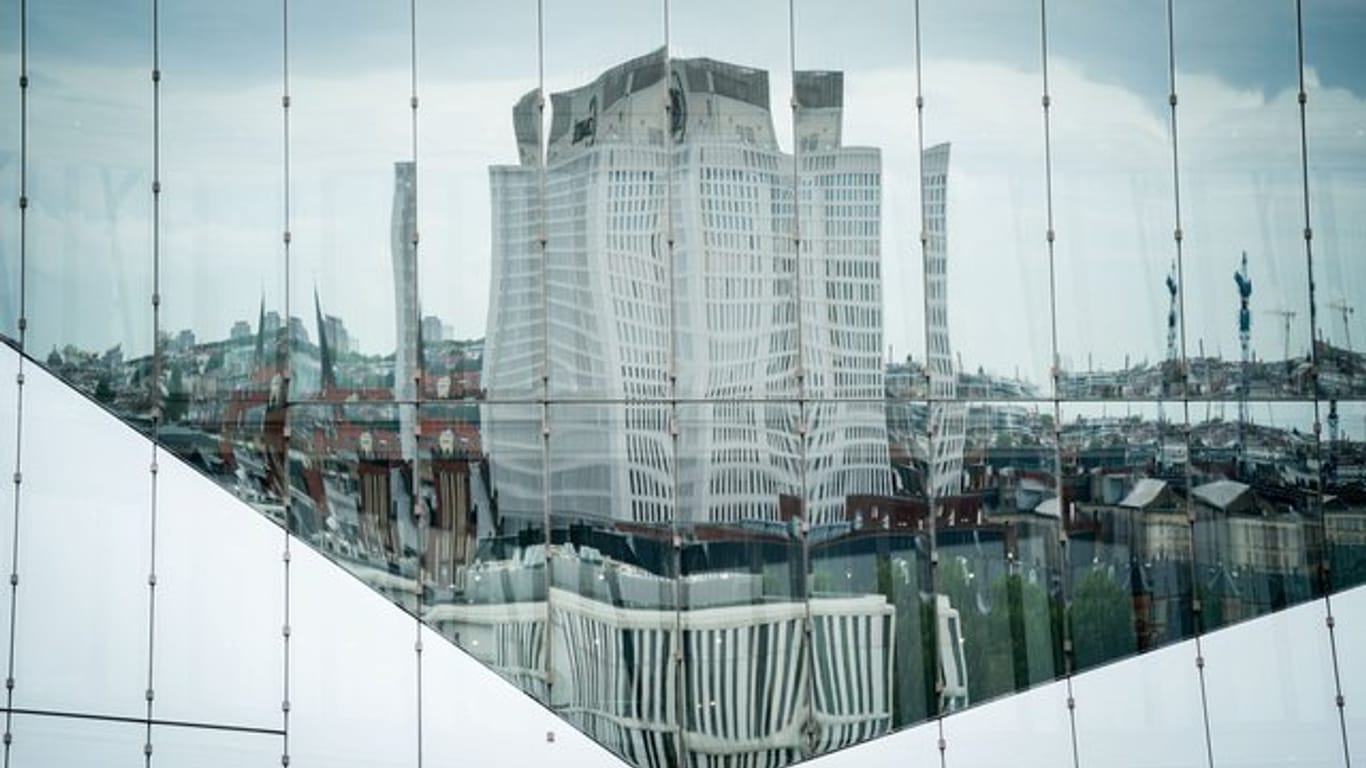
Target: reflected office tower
725	309
944	459
403	232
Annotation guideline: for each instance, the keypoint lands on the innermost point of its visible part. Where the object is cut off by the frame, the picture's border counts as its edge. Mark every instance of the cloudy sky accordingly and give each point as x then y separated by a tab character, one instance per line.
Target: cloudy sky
90	236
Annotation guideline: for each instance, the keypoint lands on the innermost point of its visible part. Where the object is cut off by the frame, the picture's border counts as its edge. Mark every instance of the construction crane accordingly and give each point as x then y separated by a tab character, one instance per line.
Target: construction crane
1286	316
1244	282
1347	310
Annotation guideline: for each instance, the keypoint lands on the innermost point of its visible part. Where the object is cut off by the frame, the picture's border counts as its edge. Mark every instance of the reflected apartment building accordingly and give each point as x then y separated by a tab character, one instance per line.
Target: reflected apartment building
699	385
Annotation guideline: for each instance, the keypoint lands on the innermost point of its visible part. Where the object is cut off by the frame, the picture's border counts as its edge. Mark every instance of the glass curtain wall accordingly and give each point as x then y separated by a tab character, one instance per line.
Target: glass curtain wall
742	382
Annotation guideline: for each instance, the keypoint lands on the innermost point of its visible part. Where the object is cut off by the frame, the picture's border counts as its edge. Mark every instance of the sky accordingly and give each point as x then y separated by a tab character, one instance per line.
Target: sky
350	79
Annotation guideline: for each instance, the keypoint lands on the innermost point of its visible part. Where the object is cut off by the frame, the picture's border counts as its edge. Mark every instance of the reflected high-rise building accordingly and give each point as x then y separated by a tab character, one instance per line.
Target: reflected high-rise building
680	281
944	457
404	247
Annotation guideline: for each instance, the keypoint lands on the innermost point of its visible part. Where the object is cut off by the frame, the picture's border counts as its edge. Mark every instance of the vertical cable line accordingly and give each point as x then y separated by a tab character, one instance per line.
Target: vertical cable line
285	558
1325	571
541	237
19	375
158	355
679	673
1196	601
419	367
810	729
1064	516
930	511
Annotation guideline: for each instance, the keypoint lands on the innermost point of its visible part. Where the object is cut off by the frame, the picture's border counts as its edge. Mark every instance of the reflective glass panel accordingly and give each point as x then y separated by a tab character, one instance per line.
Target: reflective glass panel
463	157
219	654
735	285
984	189
1344	509
860	193
1118	332
864	578
742	583
1258	517
1129	537
352	495
10	142
209	748
486	544
1242	200
1336	126
60	742
352	202
607	260
1287	717
83	564
89	276
613	594
353	670
918	745
222	219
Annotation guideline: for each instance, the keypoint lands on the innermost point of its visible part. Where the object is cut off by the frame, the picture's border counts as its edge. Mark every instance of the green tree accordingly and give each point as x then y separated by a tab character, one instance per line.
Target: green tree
1102	620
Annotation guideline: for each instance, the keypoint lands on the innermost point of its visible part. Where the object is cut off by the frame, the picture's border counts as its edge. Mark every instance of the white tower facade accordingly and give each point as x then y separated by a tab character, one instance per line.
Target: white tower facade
670	251
944	460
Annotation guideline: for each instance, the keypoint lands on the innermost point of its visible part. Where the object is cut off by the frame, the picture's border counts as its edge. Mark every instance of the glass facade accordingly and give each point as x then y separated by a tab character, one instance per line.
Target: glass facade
740	383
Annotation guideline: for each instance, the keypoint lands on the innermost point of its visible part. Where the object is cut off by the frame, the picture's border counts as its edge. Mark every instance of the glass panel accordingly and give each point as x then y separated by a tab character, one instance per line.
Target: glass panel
1112	195
1336	123
352	670
861	193
999	563
1258	529
607	259
9	173
486	548
220	605
89	277
498	723
222	264
612	569
1344	510
60	742
475	62
734	292
1031	729
352	202
83	566
742	584
1242	197
1286	717
913	746
1349	612
1142	711
1129	537
863	579
351	493
985	187
206	748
